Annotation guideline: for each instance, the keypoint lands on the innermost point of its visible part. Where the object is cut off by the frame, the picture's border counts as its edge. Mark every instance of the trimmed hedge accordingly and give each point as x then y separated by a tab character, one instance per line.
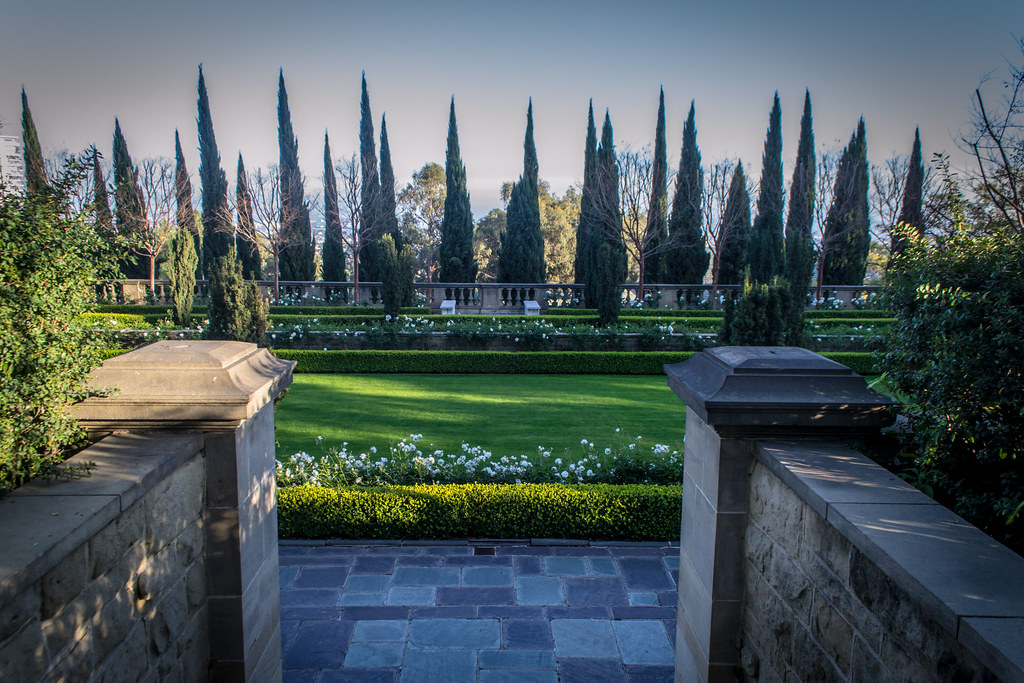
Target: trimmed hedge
126	321
585	511
164	310
861	362
847	321
484	362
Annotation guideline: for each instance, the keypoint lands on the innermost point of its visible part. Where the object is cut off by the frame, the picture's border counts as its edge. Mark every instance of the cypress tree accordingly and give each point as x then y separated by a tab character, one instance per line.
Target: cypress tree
387	215
101	200
334	245
185	214
912	207
397	286
245	239
799	241
370	213
521	257
585	239
689	258
297	249
183	273
35	171
609	267
847	235
218	233
732	258
456	249
237	309
765	251
129	205
657	214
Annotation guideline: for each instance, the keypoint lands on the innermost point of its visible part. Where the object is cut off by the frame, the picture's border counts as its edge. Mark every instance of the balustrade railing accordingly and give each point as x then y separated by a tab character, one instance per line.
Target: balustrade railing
486	298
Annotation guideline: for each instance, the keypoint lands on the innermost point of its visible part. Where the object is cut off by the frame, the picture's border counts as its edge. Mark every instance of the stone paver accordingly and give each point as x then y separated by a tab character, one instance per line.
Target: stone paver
411	612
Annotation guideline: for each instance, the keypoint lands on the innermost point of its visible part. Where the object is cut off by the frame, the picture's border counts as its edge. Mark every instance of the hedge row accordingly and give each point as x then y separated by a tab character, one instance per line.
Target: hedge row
585	511
126	321
164	310
484	362
515	363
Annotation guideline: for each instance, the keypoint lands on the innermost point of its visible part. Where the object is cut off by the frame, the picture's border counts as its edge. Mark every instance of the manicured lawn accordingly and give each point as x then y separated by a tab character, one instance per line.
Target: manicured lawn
506	414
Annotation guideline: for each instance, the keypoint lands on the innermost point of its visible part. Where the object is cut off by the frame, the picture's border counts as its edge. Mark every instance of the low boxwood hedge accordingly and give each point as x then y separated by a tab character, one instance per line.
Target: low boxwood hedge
585	511
484	362
124	321
200	310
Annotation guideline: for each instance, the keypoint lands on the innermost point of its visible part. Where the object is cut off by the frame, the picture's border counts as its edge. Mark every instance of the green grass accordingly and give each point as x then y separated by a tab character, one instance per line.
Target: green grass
506	414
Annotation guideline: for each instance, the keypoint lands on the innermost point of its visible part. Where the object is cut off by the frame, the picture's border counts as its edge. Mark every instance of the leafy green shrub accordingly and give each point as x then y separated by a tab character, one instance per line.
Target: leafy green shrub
183	275
238	310
766	315
48	264
957	353
121	321
587	511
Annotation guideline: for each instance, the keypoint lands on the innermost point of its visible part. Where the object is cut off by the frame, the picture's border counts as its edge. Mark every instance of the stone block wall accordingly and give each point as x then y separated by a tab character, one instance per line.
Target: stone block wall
852	575
103	578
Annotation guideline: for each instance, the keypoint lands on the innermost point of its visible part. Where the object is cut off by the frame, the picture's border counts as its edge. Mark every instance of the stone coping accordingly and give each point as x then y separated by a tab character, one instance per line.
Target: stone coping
966	581
44	521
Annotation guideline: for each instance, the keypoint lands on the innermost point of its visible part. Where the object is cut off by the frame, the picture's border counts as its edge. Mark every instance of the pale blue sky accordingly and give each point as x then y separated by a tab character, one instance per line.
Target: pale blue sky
899	64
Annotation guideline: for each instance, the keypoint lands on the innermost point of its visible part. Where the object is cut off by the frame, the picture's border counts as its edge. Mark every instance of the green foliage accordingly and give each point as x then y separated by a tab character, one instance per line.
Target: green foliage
397	287
130	207
456	250
183	276
765	248
387	207
35	171
245	239
185	214
847	239
766	315
48	265
102	218
587	237
589	511
800	254
296	260
484	362
370	256
657	213
732	258
237	310
334	244
124	321
217	229
912	206
688	260
521	256
609	268
956	353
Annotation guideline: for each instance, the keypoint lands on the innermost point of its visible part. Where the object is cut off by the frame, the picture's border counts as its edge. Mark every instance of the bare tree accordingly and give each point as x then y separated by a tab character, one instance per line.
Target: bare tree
718	231
421	204
354	233
996	140
156	178
888	182
827	193
80	196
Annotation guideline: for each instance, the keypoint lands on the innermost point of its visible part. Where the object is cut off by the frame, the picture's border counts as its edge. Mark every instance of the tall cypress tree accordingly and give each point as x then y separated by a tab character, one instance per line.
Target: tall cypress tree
297	250
521	258
767	241
585	242
186	215
689	258
609	267
35	171
387	206
456	249
129	205
799	240
218	233
101	200
912	207
657	214
370	256
847	237
732	258
334	244
245	239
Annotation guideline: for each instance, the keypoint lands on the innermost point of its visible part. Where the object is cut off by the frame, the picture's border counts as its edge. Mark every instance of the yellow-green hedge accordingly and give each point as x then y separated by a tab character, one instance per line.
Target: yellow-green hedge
585	511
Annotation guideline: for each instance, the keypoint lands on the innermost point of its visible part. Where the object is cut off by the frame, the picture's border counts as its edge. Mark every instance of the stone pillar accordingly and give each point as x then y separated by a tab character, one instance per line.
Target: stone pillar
733	396
224	390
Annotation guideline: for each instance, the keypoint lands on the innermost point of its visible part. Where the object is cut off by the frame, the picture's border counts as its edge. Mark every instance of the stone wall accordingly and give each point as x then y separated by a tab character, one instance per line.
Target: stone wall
103	578
852	575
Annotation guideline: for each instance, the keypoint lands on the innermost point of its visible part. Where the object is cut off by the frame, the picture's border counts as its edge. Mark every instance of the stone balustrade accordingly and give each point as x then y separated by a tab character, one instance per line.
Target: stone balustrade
480	297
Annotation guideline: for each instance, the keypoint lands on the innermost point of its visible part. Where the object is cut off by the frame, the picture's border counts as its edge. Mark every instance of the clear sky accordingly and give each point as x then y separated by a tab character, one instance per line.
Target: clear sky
899	63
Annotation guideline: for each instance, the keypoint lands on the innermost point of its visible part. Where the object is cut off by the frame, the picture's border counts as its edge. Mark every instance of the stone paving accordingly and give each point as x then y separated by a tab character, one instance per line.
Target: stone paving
488	611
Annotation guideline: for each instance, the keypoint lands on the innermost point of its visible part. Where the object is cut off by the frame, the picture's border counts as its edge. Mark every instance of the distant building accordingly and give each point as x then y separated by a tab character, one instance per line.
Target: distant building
12	165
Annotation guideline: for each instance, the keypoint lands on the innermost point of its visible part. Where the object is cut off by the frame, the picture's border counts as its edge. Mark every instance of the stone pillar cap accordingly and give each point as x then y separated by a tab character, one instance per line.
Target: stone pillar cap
778	390
194	385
